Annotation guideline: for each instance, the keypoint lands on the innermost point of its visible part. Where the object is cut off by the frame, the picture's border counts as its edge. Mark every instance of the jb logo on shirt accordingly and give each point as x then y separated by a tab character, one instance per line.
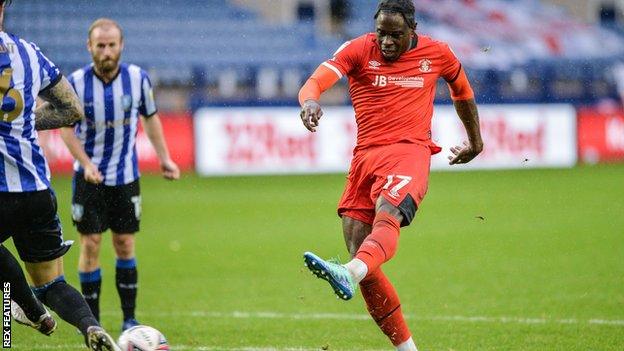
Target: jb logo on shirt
400	81
380	81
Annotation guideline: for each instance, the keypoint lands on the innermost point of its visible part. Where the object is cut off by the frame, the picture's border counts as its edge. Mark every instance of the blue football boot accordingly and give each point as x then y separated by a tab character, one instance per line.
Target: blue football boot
334	273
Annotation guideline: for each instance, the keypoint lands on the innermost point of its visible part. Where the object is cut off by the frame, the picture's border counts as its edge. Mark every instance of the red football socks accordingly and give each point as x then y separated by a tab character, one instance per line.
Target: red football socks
381	244
381	299
384	306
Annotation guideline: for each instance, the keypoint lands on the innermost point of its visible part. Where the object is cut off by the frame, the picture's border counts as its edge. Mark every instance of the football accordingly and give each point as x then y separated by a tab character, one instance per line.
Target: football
142	338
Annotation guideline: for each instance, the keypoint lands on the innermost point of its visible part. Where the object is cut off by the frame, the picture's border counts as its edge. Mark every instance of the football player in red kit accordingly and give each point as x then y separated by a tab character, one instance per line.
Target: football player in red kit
392	80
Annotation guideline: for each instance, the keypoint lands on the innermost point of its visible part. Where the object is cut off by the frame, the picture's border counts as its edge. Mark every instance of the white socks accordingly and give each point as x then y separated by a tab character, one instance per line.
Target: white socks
407	345
358	269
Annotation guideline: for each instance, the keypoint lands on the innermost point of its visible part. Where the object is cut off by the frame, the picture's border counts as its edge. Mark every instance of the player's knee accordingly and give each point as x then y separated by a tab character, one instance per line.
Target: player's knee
42	273
404	212
384	206
90	244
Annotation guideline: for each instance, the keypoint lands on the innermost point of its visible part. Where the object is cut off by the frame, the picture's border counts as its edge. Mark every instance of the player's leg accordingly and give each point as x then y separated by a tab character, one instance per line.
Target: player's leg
26	308
41	247
401	172
91	220
89	271
37	236
400	187
354	232
380	244
382	300
354	196
363	185
384	306
15	219
124	215
52	289
126	277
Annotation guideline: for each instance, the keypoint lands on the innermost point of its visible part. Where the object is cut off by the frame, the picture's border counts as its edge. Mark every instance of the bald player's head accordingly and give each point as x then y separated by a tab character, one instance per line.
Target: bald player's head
104	24
105	44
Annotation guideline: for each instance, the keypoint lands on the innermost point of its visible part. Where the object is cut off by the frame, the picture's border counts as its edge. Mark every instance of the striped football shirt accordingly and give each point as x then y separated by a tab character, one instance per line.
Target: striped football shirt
109	131
25	73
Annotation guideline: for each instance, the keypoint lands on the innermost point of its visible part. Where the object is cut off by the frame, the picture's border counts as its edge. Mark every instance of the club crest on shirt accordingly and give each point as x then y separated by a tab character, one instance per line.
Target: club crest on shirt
425	65
126	102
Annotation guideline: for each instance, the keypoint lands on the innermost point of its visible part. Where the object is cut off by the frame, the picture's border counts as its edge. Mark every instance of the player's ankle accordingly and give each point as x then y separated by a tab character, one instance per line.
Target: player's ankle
357	268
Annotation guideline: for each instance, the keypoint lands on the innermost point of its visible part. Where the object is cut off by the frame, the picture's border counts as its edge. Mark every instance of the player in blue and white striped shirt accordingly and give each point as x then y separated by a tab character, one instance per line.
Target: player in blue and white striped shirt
29	209
112	106
106	182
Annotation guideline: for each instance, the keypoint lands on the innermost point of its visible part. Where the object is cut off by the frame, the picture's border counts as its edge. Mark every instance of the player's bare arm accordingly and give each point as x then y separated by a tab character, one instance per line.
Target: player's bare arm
469	115
91	173
61	109
466	108
321	80
154	131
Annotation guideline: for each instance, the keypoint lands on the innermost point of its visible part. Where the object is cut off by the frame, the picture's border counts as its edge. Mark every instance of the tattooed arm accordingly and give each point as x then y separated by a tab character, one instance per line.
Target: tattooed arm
61	109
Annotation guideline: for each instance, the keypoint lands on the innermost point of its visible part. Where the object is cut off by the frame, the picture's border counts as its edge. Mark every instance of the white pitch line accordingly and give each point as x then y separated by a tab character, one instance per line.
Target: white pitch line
606	322
188	348
326	316
366	317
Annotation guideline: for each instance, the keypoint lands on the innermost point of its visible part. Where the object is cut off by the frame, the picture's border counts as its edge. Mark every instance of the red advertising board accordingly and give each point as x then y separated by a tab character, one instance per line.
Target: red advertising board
178	129
601	135
270	141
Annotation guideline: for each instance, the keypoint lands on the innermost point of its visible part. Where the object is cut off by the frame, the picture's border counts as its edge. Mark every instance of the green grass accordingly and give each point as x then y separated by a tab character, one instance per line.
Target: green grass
547	260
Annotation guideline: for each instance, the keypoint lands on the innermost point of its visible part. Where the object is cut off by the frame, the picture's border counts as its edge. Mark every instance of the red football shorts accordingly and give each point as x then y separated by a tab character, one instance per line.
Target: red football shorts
398	172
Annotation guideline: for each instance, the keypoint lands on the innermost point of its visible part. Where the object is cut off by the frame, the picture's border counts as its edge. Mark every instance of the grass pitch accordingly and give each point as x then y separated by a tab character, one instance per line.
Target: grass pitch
505	260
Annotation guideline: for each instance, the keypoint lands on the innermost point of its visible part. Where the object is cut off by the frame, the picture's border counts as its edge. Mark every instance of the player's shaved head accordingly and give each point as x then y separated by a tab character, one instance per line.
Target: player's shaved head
105	24
403	7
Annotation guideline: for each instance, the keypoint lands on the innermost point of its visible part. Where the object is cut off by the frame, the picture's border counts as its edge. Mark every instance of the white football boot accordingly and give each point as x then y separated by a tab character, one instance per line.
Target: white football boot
45	325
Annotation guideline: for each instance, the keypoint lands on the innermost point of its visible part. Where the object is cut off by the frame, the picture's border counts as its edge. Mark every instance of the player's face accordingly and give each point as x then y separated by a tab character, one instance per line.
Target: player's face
105	46
393	35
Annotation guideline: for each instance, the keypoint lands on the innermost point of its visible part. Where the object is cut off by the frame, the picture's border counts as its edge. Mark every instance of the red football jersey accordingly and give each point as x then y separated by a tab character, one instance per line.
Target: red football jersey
393	101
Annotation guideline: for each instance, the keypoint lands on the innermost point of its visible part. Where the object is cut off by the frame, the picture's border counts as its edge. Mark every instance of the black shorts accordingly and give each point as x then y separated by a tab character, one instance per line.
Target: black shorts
31	219
98	207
